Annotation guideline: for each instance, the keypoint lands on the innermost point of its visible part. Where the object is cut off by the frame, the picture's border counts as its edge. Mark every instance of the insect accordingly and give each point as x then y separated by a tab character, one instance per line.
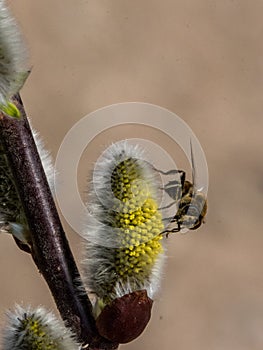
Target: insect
191	203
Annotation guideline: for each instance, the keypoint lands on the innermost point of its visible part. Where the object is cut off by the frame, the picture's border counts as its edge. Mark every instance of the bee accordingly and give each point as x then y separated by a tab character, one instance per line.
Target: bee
192	209
191	203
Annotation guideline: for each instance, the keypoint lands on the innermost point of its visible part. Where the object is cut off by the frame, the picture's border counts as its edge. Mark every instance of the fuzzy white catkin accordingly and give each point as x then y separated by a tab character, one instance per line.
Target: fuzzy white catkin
36	329
14	67
111	268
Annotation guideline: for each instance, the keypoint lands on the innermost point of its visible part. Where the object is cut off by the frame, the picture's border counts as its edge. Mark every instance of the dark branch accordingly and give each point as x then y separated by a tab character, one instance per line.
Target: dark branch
50	248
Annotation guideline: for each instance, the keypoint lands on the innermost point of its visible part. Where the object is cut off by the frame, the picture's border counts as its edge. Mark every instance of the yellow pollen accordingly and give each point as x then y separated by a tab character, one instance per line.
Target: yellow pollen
138	219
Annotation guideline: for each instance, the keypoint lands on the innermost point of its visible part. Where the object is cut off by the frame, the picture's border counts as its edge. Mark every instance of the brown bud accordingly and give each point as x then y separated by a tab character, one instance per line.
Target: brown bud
125	318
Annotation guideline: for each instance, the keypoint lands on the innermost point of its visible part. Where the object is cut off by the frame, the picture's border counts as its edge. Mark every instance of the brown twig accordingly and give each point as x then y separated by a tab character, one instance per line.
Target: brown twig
50	249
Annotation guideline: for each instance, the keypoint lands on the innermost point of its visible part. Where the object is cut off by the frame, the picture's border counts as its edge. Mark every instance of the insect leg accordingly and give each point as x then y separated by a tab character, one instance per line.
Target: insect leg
169	172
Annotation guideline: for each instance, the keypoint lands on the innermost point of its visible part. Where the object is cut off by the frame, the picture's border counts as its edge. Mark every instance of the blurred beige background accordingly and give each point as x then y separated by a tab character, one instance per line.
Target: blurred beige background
203	61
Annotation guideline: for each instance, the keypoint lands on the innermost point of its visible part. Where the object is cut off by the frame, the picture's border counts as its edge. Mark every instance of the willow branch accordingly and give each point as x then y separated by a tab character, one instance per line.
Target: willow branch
50	249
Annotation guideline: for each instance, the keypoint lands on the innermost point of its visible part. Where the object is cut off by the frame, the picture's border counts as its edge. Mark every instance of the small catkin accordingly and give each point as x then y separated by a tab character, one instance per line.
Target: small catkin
12	216
36	329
